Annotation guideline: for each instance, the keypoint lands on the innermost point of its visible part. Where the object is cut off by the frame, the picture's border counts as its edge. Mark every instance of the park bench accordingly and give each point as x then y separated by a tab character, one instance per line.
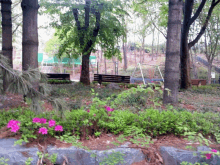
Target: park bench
111	78
198	82
58	76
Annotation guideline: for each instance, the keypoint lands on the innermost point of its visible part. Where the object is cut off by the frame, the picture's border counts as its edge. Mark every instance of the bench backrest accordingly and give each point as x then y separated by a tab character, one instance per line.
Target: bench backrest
196	81
62	76
111	78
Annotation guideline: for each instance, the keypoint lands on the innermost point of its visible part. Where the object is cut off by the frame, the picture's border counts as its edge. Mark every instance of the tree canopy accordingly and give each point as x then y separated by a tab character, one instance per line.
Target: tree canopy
110	32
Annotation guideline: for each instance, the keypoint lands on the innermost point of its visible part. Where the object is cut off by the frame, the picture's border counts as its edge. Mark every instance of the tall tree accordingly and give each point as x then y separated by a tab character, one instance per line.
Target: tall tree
30	44
30	34
86	51
7	48
171	78
81	39
212	37
185	45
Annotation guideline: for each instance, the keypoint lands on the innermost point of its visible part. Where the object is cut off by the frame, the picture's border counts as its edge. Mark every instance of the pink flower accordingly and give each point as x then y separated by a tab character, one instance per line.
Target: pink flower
213	150
88	110
87	103
208	156
43	121
43	130
58	128
36	120
113	109
109	114
15	128
109	109
52	123
12	123
105	106
94	115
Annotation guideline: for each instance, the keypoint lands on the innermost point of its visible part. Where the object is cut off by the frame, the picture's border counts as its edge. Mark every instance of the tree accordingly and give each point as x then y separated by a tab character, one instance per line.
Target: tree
185	45
6	36
212	36
52	46
81	40
171	78
30	34
30	42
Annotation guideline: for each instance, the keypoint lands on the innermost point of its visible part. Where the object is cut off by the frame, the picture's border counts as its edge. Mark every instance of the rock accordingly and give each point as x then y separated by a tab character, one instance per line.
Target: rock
81	156
174	156
113	86
18	155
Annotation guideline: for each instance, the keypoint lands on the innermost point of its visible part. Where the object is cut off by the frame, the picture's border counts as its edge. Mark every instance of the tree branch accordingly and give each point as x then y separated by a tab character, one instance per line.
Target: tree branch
95	31
159	30
198	11
87	11
16	28
76	14
205	24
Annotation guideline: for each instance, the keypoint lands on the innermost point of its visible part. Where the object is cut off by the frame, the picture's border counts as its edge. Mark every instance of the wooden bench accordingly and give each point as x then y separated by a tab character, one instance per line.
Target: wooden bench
198	82
58	76
111	78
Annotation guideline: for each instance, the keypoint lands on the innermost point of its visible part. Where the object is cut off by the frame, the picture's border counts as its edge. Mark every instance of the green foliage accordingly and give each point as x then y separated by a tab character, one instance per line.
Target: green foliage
28	161
52	46
52	158
3	161
194	137
55	81
113	159
207	89
75	41
187	163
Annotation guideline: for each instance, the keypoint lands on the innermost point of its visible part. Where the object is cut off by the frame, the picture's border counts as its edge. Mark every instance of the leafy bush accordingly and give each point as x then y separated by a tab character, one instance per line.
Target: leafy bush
55	81
208	89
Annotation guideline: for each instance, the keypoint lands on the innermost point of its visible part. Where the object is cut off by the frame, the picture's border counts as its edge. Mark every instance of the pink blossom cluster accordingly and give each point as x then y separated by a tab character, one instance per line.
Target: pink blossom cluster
51	123
13	124
209	155
109	109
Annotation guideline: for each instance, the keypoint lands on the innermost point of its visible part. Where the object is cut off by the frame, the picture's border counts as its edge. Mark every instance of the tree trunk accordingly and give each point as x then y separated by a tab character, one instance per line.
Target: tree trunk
105	65
152	51
194	66
85	77
209	72
30	43
30	34
185	68
173	52
125	55
6	36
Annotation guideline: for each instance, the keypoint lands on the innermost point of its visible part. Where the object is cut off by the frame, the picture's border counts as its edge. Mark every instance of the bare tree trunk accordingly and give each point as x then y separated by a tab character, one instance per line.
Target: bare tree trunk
125	56
6	36
135	53
152	51
158	43
30	43
194	66
105	65
209	72
173	52
85	77
30	34
143	50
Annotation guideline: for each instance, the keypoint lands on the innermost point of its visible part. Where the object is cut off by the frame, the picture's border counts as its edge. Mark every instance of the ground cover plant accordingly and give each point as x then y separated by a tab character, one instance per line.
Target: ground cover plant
120	112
